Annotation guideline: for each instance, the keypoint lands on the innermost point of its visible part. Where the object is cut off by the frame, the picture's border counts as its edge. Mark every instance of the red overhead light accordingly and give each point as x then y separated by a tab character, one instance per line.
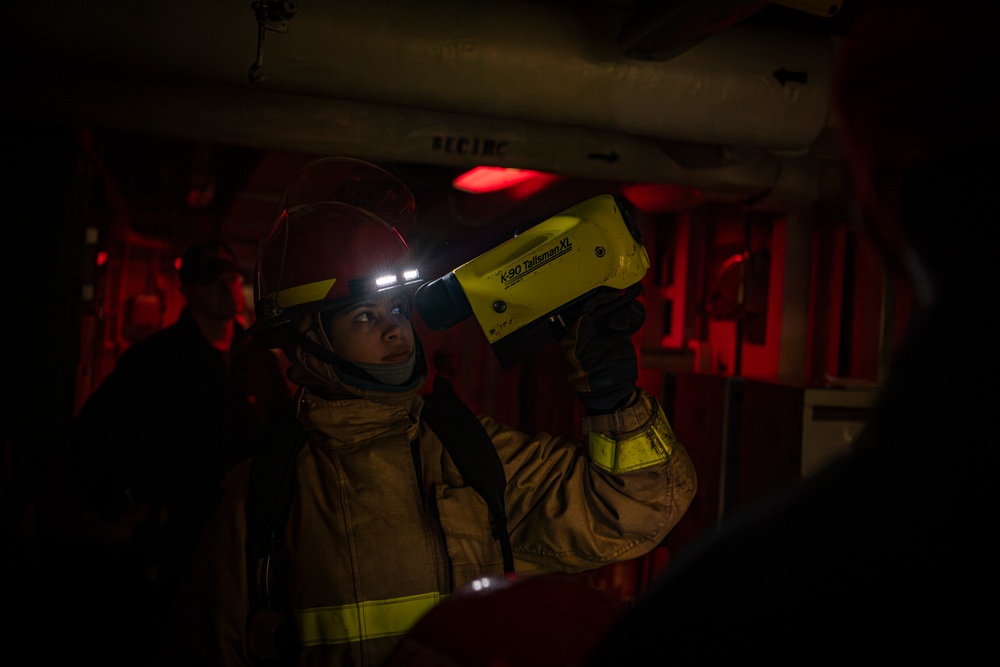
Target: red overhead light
480	180
661	197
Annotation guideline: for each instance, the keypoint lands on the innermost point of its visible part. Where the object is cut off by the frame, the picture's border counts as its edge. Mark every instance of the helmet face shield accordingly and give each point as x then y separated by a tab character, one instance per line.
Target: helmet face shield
355	183
318	257
333	244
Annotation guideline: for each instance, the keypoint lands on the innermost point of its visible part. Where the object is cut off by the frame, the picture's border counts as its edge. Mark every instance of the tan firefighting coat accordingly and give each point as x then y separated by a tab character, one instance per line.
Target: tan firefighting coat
382	527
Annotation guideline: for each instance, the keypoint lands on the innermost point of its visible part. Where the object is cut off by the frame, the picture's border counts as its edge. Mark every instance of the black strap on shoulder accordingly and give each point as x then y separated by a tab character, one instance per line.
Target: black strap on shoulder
471	448
270	633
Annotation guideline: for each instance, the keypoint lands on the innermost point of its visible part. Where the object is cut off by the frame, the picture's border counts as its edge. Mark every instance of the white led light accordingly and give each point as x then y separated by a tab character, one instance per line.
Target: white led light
410	274
382	281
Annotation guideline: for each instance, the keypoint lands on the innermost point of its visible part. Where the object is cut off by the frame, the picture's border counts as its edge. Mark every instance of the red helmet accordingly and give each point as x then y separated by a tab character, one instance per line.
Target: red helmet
336	239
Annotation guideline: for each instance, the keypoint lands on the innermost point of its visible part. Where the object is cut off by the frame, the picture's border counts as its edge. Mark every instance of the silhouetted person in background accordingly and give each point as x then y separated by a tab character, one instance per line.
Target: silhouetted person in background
886	553
152	442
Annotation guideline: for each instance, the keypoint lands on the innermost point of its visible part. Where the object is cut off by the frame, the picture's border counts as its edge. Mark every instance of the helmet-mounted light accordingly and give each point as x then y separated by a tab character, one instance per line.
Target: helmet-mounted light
383	281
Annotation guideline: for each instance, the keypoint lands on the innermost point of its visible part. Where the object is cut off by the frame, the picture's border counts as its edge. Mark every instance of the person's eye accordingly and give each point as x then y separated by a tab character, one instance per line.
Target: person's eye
397	310
364	316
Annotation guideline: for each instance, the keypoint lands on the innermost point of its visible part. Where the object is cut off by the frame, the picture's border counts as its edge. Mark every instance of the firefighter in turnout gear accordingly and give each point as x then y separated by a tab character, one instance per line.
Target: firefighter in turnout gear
383	522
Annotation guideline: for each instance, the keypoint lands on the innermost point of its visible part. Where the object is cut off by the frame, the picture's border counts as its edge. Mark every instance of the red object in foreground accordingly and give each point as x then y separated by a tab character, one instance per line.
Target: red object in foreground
550	620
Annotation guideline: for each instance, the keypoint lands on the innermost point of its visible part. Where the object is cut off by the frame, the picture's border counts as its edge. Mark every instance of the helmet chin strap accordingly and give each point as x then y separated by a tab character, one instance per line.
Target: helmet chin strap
327	355
388	376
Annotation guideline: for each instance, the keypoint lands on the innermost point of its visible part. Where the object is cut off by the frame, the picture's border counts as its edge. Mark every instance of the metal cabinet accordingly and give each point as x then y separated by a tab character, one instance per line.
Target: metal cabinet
748	437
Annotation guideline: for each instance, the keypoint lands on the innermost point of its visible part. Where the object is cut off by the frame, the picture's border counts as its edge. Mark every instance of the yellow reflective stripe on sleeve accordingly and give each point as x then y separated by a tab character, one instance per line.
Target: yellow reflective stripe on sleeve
364	620
653	445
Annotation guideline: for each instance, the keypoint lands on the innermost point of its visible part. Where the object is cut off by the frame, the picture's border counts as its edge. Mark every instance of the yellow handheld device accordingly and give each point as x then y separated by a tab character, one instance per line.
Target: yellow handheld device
523	291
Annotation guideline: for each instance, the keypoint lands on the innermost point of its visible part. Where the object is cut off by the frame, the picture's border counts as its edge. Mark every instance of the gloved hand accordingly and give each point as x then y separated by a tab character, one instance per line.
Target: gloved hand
599	349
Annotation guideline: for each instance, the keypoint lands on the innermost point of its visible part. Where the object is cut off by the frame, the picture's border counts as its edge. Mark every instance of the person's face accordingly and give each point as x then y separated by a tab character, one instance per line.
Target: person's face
222	299
374	332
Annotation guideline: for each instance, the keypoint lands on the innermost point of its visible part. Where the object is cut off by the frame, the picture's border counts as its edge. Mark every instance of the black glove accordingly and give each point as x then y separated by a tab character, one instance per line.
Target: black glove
599	349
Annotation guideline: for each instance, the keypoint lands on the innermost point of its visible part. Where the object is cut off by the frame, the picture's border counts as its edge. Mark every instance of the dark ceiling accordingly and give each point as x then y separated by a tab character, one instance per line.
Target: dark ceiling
178	187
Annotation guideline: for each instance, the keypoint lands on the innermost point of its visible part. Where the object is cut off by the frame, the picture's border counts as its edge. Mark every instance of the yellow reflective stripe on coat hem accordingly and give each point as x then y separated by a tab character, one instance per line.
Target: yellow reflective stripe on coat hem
653	445
363	620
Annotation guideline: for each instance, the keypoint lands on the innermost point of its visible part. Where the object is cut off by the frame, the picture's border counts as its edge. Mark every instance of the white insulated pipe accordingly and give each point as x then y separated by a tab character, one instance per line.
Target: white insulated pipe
747	86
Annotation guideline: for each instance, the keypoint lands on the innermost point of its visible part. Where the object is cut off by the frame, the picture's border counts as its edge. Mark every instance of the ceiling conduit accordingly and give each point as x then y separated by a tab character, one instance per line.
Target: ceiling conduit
397	80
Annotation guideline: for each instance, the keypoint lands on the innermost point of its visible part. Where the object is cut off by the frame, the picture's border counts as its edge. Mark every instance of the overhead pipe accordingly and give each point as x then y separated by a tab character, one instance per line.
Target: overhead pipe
748	85
239	115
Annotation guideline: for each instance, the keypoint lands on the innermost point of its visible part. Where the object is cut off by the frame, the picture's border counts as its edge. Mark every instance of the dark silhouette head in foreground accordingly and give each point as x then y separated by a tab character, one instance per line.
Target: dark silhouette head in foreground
881	552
